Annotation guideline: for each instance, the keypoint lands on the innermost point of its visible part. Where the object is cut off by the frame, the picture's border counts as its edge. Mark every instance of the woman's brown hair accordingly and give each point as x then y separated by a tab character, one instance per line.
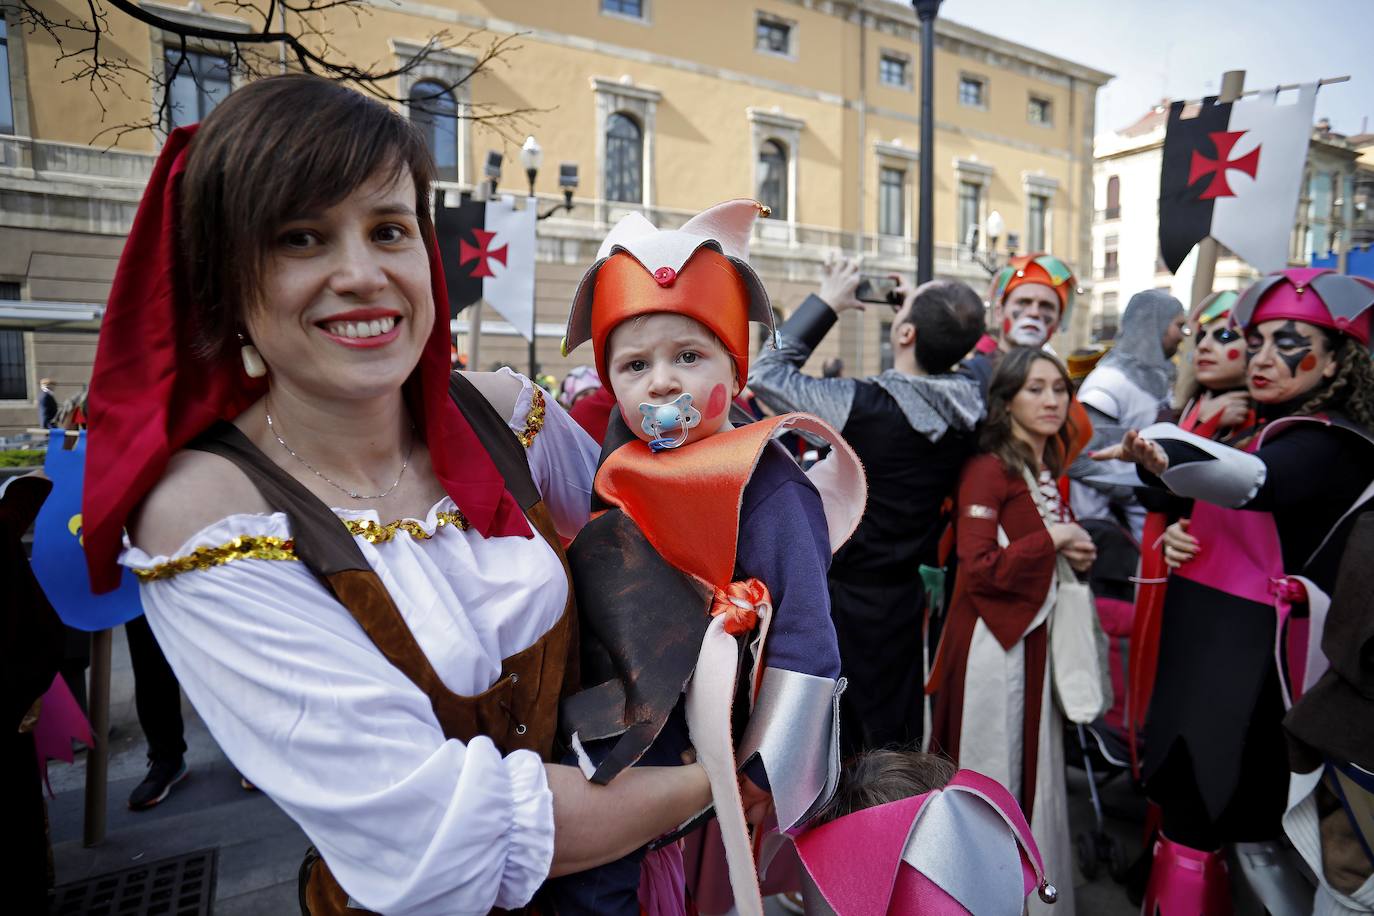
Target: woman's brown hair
270	152
997	436
1351	390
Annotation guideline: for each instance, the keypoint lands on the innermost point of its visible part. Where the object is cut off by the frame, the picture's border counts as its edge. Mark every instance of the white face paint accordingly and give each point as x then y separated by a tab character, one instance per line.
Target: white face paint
1029	315
1029	331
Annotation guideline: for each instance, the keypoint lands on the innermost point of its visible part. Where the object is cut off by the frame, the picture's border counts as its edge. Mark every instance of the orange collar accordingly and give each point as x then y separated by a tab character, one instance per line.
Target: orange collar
687	500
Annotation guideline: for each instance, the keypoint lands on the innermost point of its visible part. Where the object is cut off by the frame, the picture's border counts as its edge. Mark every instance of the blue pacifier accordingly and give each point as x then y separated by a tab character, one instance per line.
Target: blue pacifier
678	416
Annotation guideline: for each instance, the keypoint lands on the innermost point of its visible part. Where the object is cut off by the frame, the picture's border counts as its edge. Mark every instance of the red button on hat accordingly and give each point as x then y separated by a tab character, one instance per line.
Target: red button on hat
665	276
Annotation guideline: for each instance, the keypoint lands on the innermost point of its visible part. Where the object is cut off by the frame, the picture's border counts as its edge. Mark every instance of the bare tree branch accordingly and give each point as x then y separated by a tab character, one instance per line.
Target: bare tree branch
254	53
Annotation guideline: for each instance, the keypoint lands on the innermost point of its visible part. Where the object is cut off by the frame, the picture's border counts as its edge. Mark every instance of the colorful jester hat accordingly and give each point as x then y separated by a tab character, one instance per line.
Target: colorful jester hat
1037	268
701	271
1312	294
964	849
1214	307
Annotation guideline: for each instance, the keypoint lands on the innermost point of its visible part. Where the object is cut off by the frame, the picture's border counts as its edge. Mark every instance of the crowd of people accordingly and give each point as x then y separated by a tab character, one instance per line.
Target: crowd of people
704	627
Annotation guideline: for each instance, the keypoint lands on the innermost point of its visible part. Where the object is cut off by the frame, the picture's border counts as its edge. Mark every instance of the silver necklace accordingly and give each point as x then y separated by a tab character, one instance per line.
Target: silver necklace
316	471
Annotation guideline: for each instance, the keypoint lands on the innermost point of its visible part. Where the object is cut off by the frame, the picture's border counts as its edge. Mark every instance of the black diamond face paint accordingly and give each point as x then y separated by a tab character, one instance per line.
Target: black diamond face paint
1293	347
1222	335
1290	345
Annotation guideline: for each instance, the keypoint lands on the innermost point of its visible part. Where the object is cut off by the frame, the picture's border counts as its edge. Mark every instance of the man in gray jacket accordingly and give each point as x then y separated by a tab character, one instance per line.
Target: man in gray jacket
913	427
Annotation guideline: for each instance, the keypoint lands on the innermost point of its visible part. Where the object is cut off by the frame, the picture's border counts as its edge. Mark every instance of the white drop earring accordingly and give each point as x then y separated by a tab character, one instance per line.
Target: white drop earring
253	366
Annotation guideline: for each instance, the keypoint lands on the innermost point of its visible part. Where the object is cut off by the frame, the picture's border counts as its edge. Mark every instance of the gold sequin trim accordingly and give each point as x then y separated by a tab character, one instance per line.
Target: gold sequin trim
534	420
250	547
255	547
377	533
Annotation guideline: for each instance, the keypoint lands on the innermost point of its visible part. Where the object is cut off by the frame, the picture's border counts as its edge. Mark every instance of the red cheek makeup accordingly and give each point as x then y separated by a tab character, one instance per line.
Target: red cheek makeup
717	402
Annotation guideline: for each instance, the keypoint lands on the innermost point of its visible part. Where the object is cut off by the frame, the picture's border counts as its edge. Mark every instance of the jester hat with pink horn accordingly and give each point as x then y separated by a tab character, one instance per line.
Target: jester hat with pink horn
1312	294
964	849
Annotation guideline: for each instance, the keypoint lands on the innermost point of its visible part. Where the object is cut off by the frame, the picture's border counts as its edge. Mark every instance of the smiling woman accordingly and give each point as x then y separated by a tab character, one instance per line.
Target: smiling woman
336	537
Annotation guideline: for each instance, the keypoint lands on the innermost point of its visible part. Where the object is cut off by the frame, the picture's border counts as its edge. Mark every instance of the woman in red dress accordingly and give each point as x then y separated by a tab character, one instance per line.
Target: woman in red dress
991	677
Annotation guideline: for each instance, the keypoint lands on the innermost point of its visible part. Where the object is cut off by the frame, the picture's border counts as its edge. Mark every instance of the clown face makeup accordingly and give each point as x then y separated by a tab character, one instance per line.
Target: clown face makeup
1219	356
655	360
1286	360
1028	316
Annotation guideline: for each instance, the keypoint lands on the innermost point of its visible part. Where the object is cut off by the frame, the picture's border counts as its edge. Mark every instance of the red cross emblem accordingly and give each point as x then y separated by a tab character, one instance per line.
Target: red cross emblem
1224	141
481	253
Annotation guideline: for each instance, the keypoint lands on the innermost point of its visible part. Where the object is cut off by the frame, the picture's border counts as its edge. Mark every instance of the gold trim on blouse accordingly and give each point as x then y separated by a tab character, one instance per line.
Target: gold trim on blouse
534	420
376	533
248	547
263	547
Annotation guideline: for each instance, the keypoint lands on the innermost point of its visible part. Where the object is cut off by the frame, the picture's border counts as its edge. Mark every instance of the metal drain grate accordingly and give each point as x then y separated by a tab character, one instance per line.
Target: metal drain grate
183	885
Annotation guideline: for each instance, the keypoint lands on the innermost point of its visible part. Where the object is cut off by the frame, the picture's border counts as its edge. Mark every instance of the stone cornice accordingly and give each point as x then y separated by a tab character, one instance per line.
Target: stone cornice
187	15
901	20
896	150
775	119
1042	184
973	167
405	48
628	90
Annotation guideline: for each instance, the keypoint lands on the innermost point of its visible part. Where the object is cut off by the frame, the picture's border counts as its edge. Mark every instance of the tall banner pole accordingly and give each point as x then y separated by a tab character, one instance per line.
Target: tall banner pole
475	337
481	192
98	756
1232	84
532	203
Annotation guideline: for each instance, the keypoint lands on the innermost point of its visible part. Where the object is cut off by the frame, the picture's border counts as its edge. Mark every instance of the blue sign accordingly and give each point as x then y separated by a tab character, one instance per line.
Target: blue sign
58	560
1359	261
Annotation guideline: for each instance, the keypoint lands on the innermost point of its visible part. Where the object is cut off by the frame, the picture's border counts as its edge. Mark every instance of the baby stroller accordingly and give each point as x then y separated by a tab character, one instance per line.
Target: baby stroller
1102	748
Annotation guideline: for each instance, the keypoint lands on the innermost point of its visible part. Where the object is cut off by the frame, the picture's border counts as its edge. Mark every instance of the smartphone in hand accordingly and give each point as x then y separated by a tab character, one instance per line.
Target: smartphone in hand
878	290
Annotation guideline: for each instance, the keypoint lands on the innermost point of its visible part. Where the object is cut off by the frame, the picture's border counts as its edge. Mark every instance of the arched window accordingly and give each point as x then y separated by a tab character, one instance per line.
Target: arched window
624	159
1113	198
434	111
772	190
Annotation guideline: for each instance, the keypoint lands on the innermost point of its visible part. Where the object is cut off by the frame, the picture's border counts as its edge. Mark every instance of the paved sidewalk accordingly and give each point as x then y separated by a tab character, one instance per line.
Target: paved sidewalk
260	848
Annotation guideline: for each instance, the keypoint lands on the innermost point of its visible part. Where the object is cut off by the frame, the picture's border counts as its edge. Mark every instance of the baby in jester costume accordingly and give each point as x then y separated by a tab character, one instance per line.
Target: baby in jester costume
701	580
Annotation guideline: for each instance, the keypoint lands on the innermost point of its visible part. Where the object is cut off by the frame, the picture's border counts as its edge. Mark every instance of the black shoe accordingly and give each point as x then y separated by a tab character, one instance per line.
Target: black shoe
162	775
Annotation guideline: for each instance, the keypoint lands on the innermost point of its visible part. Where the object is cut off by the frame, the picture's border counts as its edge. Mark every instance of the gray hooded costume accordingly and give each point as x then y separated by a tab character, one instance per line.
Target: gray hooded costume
1127	390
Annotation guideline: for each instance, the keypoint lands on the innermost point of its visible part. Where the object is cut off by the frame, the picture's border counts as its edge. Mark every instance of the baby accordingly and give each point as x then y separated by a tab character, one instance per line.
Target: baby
906	833
709	543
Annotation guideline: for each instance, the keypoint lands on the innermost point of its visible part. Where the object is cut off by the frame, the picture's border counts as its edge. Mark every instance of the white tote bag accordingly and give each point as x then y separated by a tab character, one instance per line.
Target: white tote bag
1078	647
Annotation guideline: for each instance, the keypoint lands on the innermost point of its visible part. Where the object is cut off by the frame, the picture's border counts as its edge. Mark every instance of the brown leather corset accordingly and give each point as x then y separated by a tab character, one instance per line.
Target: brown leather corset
519	711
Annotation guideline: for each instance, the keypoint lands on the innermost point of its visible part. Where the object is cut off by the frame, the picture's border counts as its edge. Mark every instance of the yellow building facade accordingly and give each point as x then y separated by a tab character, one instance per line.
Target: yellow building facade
666	106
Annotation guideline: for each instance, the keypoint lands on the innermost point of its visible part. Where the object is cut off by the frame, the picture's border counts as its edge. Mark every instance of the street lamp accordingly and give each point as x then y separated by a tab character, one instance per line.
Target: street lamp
531	158
492	171
926	11
994	226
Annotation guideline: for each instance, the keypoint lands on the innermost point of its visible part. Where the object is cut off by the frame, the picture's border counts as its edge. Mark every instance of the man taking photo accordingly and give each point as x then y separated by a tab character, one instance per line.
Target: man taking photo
912	426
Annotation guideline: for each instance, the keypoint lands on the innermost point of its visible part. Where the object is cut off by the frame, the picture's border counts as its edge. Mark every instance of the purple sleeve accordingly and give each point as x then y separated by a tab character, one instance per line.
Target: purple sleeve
784	542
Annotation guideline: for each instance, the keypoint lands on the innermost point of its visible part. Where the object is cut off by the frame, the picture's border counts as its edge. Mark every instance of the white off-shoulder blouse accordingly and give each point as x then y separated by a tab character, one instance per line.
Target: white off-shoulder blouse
309	710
